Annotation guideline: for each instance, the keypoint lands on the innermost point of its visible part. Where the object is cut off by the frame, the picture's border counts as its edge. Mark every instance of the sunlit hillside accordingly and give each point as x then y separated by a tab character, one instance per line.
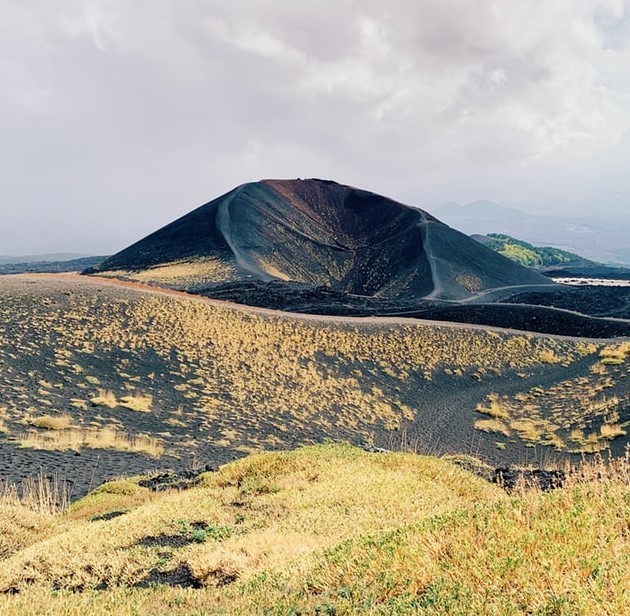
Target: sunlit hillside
325	530
133	378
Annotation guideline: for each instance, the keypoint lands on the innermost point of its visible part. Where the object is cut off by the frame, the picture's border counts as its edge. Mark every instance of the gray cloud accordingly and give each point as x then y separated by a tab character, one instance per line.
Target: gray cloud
118	116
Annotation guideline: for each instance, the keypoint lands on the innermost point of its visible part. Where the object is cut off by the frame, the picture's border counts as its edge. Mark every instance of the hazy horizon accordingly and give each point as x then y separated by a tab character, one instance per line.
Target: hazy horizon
111	246
119	117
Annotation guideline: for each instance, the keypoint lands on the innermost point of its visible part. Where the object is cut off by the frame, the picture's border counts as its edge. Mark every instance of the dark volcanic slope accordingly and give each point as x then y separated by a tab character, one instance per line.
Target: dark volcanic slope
322	233
128	374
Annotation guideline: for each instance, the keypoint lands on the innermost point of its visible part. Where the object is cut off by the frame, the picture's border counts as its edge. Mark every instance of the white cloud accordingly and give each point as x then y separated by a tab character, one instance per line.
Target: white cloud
147	108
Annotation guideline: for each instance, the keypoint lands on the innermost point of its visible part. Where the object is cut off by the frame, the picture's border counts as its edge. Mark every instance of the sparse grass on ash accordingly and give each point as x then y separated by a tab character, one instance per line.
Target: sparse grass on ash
581	415
253	379
79	438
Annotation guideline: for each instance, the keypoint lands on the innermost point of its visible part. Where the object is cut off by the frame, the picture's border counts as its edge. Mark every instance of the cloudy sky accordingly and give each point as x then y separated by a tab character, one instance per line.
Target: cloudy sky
117	116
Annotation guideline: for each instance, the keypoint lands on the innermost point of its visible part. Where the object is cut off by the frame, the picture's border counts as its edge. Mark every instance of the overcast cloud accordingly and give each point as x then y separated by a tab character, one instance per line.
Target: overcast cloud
117	116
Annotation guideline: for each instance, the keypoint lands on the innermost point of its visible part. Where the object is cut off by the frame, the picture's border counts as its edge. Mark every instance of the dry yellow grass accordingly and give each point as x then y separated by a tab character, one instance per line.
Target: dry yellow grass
333	530
548	356
492	425
21	526
104	398
196	271
611	431
30	511
278	506
527	429
615	353
51	422
77	403
140	403
79	438
495	408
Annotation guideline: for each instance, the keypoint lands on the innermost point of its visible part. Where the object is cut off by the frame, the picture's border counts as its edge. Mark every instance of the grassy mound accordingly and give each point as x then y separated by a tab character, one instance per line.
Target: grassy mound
328	530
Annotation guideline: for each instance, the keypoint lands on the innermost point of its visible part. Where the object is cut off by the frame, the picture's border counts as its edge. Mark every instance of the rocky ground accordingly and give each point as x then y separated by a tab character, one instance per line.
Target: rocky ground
596	301
548	311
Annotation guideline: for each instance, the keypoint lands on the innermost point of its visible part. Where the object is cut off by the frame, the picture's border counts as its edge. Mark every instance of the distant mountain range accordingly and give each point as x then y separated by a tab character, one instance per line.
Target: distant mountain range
593	238
49	257
37	266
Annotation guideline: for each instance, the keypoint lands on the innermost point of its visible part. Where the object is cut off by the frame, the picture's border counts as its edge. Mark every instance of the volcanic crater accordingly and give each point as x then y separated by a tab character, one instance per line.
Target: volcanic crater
319	232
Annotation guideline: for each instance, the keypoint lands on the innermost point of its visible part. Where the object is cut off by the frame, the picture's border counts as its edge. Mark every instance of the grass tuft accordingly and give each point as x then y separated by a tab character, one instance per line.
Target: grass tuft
50	422
612	431
104	438
104	398
495	408
138	403
492	425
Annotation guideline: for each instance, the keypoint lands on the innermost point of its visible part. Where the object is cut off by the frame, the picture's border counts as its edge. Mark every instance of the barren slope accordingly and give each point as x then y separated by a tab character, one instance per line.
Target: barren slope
133	379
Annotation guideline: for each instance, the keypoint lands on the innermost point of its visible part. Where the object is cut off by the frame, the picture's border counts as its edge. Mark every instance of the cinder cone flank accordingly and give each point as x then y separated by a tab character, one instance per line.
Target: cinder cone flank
323	233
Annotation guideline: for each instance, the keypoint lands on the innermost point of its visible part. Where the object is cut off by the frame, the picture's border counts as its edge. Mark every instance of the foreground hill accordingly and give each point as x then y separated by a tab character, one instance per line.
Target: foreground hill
318	232
100	378
324	530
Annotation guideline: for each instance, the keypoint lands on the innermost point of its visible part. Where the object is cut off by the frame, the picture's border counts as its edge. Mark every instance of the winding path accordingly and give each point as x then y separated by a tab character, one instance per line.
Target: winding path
438	287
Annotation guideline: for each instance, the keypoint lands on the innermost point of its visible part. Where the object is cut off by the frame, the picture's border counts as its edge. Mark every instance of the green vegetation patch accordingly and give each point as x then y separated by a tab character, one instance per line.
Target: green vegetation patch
532	256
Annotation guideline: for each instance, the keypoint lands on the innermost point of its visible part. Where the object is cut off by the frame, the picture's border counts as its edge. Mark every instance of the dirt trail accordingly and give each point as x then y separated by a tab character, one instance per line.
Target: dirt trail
479	297
438	287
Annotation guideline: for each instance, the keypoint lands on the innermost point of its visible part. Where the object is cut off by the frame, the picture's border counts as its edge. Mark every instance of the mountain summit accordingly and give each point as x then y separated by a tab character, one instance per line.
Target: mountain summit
318	232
